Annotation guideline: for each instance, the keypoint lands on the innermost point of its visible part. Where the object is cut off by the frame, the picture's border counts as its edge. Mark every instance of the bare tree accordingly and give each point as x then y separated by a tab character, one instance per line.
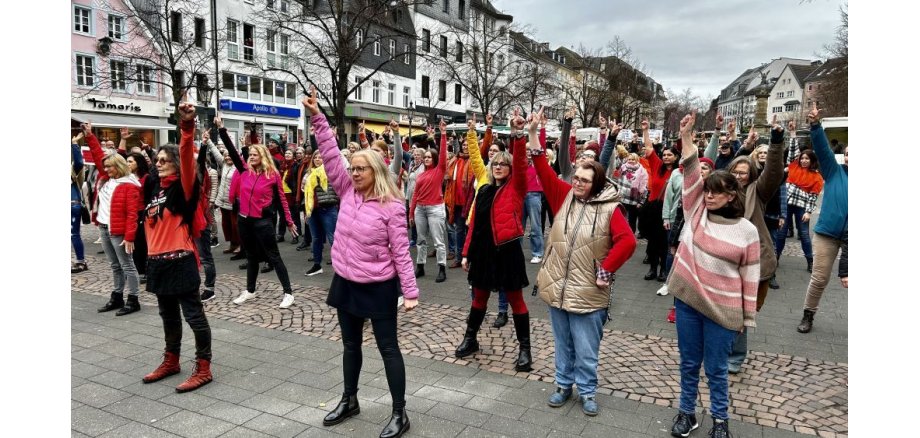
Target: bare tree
588	91
631	93
833	94
339	45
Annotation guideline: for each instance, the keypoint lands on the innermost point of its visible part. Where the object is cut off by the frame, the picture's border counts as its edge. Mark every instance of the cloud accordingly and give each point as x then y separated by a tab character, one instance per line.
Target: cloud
699	44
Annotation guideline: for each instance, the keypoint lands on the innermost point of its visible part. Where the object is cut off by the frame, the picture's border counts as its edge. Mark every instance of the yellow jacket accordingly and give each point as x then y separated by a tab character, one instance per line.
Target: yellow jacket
317	176
477	165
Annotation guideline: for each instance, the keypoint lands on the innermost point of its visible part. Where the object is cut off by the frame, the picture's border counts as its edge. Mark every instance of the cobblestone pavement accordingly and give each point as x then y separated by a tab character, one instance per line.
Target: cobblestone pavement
775	391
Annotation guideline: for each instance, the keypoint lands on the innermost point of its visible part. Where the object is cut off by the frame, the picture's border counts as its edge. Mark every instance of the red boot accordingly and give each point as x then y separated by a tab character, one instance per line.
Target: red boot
169	367
672	316
201	376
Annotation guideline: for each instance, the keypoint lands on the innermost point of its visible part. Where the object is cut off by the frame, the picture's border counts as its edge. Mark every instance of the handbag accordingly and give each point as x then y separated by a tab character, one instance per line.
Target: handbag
326	198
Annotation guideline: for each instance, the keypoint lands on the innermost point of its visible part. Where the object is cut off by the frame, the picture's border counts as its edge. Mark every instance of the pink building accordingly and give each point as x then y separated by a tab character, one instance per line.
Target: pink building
107	88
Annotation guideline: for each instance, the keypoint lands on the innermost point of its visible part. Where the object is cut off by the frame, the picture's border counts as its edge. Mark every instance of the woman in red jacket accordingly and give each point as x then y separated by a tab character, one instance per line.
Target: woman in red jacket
117	204
492	254
650	217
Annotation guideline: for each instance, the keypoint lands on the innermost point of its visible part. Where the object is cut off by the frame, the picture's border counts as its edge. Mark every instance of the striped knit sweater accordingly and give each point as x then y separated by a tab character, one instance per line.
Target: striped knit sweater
717	268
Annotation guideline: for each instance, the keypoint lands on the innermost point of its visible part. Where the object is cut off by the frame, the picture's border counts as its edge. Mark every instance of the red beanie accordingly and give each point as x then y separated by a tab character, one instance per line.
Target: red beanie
712	165
594	147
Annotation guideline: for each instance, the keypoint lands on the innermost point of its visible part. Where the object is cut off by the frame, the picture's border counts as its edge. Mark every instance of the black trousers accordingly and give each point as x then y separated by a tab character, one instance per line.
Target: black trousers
193	311
385	334
258	236
654	232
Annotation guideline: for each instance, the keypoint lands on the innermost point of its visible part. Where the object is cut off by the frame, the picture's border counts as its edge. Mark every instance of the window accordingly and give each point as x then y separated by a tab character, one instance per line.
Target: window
229	84
501	63
459	55
285	50
777	109
268	90
446	6
426	40
442	91
175	27
179	80
406	91
249	32
291	93
144	79
270	4
790	107
82	20
406	57
201	83
779	95
270	48
86	71
443	46
391	94
242	86
233	46
790	93
359	38
377	46
358	88
116	27
279	91
461	10
392	49
809	87
285	6
458	91
376	92
426	85
119	82
199	32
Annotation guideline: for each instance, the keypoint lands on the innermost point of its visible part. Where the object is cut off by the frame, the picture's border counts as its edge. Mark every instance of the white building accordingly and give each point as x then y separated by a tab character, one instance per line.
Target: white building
787	94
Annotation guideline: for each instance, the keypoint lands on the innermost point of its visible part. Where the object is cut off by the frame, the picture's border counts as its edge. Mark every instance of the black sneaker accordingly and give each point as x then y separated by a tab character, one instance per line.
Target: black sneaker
207	295
719	429
316	269
684	424
215	243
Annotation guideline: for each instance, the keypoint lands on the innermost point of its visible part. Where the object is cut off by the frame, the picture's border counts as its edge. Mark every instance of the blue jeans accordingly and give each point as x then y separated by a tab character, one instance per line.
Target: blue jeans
502	301
456	233
702	341
75	239
669	258
795	213
578	341
533	209
322	227
207	260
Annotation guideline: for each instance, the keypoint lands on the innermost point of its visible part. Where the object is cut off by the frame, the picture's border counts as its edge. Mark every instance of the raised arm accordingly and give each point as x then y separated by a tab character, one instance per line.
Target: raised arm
95	149
362	136
609	144
554	188
187	147
826	159
712	149
476	164
396	149
771	178
332	158
76	154
564	151
228	143
693	177
442	150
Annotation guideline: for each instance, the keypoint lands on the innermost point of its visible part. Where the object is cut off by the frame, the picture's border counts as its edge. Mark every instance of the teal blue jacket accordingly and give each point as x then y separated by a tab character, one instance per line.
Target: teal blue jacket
834	219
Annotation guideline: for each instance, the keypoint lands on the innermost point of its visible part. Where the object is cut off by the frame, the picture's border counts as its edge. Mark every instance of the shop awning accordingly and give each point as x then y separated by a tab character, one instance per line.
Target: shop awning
403	130
118	121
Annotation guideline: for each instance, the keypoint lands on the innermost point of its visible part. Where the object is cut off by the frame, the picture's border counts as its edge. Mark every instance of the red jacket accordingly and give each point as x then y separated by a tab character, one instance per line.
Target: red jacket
509	200
126	199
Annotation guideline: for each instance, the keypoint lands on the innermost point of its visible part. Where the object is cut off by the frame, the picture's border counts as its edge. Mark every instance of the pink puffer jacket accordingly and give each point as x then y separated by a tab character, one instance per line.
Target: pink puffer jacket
371	238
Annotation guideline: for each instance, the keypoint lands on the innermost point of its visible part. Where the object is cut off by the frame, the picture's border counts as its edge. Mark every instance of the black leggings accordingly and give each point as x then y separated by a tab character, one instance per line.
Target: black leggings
654	232
258	235
385	334
190	303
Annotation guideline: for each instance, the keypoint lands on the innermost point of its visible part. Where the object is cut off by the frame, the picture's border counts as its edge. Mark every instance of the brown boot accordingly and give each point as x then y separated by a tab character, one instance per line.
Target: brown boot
201	376
808	318
169	367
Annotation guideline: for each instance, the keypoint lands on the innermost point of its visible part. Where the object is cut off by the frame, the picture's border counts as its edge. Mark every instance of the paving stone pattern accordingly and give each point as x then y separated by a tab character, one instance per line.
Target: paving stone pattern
774	390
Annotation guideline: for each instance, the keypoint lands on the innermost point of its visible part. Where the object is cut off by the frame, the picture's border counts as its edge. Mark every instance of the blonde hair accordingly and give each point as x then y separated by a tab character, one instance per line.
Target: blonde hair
622	152
632	156
119	163
267	162
384	187
551	156
501	157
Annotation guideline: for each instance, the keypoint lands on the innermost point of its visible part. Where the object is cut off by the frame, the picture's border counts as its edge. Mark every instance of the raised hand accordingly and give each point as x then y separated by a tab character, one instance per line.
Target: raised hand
686	125
534	120
731	125
205	136
488	119
471	122
310	102
442	126
570	113
791	125
429	130
517	122
77	138
645	123
719	120
615	127
814	116
602	122
87	128
186	109
394	126
125	133
751	139
361	127
218	121
777	127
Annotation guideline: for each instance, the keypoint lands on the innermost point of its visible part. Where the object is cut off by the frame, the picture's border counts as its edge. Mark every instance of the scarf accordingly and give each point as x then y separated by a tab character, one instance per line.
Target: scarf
458	172
317	178
636	175
808	180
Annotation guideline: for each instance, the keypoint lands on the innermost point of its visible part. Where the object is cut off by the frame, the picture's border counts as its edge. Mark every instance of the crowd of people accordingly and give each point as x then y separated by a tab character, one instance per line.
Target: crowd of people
715	217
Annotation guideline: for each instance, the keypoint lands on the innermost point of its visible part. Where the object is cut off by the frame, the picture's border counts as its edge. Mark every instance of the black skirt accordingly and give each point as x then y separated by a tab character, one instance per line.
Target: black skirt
366	300
173	276
493	267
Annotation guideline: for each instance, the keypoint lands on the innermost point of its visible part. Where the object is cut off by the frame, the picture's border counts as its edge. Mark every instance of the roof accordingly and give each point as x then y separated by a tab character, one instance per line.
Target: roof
802	71
487	6
825	69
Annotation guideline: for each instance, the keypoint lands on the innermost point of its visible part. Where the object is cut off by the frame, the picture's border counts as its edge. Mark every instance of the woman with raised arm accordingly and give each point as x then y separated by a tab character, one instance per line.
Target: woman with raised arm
174	221
259	191
371	262
138	166
803	185
492	254
118	201
714	284
427	211
650	217
76	203
589	241
321	204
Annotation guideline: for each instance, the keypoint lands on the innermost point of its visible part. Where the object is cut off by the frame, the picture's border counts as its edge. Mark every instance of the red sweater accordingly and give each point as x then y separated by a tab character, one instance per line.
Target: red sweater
428	184
557	190
656	182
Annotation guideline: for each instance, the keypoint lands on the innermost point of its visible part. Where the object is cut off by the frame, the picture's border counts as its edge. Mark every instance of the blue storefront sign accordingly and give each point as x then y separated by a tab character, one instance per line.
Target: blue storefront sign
258	108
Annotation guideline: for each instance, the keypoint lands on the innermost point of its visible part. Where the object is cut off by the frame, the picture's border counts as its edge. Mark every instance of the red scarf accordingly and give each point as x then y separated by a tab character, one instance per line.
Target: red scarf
809	180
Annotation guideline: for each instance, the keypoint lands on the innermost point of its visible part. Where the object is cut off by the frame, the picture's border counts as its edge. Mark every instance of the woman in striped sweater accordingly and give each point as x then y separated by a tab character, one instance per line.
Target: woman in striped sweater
715	279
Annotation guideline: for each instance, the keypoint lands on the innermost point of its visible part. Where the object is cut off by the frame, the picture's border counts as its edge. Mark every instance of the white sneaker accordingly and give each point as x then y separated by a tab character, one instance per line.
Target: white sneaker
536	260
663	290
243	297
287	301
98	241
399	302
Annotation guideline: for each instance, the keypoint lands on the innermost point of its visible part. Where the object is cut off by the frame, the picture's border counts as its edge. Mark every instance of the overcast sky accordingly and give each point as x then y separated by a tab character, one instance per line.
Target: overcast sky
693	43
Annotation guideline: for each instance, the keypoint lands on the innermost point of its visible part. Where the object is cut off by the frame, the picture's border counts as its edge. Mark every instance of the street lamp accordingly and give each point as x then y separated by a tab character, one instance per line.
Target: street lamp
205	92
411	111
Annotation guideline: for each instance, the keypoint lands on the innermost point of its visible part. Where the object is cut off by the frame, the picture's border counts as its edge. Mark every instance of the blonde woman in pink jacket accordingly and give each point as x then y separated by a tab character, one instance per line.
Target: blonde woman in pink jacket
372	267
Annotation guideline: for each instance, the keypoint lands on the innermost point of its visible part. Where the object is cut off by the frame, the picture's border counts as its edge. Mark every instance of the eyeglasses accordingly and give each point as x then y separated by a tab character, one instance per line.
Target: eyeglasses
360	169
737	174
500	165
163	160
586	155
581	181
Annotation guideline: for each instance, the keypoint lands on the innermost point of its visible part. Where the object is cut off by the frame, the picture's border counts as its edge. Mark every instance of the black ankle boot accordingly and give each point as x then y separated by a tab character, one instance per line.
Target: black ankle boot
773	283
810	262
442	274
117	301
130	307
662	275
419	270
522	330
470	345
652	274
347	407
501	320
398	425
808	319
